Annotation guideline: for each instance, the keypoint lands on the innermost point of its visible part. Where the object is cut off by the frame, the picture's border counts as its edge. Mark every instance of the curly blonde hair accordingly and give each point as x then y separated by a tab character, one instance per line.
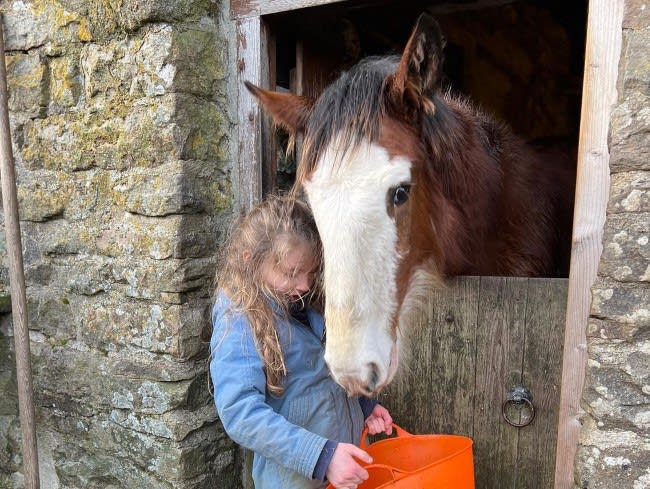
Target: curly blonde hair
269	230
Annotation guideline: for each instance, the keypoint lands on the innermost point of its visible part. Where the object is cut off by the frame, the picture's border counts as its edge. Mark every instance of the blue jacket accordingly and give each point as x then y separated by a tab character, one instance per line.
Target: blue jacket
287	433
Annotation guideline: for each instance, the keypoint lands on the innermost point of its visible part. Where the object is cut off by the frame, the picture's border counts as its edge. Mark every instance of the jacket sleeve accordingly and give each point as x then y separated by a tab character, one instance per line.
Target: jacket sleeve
367	405
239	392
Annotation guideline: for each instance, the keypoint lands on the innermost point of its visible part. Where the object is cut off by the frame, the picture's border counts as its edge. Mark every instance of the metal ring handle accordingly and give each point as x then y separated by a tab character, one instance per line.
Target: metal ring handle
520	400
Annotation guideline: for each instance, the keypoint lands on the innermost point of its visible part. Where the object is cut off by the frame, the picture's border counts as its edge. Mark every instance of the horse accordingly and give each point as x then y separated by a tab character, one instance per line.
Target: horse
410	184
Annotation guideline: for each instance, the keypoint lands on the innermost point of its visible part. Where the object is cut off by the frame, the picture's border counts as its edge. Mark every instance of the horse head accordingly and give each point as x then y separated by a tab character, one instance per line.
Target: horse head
360	167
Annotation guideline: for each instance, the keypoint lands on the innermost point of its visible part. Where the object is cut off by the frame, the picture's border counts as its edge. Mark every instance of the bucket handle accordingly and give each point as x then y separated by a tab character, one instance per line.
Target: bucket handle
397	474
399	431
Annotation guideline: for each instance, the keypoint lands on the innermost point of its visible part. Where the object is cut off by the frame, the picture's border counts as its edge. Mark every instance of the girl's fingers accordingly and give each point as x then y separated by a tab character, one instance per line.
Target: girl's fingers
375	425
363	456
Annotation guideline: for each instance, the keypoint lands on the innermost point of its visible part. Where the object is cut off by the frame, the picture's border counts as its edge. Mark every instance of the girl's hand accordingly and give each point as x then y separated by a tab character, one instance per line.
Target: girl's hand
344	472
379	421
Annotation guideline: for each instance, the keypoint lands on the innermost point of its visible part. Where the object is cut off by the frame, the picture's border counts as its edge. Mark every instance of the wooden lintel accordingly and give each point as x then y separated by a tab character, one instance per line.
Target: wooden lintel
240	9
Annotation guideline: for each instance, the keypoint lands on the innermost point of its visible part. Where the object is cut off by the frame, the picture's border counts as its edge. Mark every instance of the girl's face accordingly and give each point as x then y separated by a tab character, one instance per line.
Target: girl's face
294	275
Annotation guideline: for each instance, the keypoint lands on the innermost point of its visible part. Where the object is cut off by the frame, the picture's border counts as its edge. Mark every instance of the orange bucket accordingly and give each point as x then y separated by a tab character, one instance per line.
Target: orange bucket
419	462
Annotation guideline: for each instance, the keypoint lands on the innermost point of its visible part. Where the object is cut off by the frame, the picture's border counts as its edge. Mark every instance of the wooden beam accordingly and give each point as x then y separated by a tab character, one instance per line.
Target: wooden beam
240	9
603	48
17	283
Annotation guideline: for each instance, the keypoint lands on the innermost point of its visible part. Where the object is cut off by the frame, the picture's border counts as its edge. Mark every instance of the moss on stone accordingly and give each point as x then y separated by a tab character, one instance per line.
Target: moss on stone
84	31
65	85
27	82
5	303
39	203
206	124
19	77
221	196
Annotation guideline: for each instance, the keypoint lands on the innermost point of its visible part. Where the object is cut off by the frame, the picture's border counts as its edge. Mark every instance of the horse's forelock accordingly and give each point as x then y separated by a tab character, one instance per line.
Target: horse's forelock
348	111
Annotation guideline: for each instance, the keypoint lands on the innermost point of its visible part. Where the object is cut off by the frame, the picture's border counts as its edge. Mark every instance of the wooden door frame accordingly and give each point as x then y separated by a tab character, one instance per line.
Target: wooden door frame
602	52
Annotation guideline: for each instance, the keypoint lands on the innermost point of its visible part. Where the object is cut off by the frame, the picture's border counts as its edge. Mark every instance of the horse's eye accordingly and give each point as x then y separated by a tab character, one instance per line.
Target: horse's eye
401	194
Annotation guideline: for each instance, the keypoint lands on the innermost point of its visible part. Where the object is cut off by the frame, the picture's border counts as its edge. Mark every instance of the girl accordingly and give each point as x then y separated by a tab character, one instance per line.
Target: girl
272	388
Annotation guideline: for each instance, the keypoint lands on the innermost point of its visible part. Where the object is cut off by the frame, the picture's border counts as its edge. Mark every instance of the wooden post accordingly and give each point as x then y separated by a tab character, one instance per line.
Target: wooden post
17	282
604	40
254	130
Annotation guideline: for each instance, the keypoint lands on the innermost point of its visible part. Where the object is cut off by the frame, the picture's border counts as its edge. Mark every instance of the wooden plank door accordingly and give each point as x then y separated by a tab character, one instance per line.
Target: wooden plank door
473	343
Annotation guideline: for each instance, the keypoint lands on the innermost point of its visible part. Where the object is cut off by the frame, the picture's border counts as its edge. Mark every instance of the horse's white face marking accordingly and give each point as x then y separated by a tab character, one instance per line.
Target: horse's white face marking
349	200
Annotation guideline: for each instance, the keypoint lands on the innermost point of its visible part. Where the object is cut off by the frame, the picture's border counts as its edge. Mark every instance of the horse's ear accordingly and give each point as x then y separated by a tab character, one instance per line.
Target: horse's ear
287	110
421	65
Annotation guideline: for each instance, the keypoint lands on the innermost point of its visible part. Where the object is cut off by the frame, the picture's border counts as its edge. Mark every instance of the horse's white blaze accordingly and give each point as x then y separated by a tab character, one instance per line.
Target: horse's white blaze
348	195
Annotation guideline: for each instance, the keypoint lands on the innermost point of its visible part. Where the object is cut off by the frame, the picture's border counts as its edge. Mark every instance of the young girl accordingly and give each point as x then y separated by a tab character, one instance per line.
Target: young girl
272	388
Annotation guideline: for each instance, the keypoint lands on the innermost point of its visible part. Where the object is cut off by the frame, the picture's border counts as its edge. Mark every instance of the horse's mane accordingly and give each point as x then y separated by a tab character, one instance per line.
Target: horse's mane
352	108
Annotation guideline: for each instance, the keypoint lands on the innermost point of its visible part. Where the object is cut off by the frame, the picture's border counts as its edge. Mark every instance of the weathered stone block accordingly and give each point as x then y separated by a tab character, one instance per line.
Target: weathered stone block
626	248
43	196
82	140
99	391
85	276
27	83
89	196
158	192
125	460
636	75
636	15
44	22
630	192
200	58
50	238
172	237
612	330
616	393
213	183
139	236
142	364
203	126
135	13
182	187
8	387
140	66
146	397
50	312
147	279
164	60
611	458
148	138
622	302
630	124
174	425
10	440
195	317
65	83
156	70
112	324
54	143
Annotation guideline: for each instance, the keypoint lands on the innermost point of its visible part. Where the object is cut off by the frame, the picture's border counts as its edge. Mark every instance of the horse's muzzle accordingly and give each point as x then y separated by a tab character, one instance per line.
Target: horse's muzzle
371	380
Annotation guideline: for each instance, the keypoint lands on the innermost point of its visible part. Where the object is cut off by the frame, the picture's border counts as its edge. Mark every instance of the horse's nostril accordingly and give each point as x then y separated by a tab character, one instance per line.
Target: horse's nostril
373	377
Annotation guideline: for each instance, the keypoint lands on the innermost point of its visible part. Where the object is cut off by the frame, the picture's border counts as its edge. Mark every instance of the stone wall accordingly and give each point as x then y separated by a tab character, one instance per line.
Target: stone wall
122	116
614	449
